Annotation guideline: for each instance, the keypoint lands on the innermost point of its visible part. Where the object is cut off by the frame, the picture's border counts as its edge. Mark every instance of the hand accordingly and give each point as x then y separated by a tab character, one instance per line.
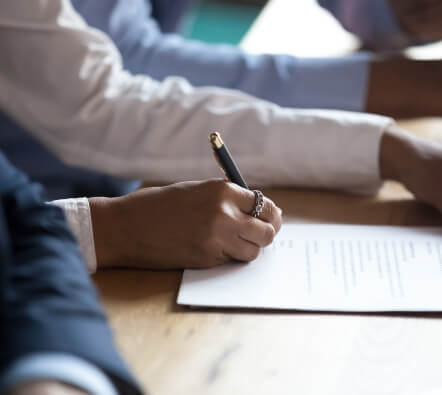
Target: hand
45	387
415	162
419	18
185	225
401	87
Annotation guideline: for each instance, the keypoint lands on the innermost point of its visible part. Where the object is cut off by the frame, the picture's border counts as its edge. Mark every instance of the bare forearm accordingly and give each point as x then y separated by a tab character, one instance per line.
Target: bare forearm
415	162
149	228
401	87
397	155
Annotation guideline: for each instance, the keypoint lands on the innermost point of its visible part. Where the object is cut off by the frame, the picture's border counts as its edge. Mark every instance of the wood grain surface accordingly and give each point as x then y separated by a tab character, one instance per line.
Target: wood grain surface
175	350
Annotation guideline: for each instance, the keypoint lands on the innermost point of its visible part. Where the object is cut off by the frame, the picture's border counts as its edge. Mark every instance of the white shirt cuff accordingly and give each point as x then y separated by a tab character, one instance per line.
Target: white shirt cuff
344	156
78	215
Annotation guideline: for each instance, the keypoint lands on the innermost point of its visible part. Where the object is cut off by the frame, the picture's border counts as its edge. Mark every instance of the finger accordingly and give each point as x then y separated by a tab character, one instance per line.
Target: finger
246	201
242	250
256	231
271	214
243	198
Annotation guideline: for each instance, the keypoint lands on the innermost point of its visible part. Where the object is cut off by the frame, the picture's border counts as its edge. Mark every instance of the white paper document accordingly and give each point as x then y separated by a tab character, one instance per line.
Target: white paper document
329	268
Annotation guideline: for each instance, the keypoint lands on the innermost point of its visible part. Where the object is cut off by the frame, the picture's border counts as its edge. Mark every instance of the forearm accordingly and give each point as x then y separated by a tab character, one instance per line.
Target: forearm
402	87
116	222
337	83
397	156
329	83
415	162
131	126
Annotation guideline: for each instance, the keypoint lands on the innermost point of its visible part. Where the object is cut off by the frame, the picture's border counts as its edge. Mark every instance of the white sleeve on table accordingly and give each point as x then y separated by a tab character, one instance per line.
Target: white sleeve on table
64	81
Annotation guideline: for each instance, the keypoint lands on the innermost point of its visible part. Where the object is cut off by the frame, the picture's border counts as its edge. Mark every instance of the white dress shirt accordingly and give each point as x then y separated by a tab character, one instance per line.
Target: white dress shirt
64	82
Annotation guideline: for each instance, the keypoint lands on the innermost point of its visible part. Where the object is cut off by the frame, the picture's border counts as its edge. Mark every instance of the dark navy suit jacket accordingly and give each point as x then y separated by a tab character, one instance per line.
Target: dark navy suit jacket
47	301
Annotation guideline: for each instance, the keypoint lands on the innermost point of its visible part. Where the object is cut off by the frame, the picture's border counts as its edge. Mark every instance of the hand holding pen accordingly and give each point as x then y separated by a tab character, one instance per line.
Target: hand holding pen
232	172
184	225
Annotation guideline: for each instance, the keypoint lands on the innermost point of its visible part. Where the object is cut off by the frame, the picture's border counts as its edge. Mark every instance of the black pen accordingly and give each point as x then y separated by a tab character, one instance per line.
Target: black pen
225	160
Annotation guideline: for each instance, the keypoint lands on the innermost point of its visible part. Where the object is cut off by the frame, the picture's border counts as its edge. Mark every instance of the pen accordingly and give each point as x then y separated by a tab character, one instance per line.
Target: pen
225	160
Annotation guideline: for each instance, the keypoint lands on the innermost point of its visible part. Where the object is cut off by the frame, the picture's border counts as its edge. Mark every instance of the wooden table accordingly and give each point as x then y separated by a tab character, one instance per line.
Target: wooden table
175	350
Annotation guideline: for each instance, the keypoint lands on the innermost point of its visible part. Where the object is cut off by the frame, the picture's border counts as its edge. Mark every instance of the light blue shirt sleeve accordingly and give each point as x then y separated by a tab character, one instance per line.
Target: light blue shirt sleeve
373	21
336	83
58	367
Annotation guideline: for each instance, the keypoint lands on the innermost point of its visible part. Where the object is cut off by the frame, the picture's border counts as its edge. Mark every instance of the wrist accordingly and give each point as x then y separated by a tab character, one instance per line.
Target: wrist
387	91
398	155
401	87
103	217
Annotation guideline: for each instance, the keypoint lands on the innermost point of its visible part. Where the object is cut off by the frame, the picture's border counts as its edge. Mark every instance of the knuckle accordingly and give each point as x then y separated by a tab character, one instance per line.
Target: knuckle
278	222
214	184
269	235
274	215
249	222
241	193
266	213
253	254
270	207
221	190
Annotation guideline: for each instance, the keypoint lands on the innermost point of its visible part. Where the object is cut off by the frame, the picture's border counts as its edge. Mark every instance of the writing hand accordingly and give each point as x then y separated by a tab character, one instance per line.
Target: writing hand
184	225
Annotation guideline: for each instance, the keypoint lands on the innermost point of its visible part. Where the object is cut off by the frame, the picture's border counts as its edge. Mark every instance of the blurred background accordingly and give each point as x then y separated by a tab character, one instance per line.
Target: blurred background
221	21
